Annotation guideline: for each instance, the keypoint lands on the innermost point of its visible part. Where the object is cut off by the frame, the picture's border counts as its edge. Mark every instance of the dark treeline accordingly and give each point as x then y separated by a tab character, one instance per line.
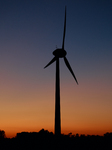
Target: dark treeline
47	140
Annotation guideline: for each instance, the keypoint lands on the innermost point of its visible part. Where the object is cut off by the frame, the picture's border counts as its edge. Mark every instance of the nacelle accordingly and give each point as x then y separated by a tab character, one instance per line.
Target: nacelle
59	53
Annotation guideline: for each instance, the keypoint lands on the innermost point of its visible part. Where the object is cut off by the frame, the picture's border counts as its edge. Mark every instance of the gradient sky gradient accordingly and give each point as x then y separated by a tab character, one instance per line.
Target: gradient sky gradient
29	33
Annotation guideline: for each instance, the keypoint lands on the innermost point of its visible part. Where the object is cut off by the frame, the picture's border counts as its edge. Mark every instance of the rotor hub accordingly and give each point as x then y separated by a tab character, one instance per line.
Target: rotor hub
59	53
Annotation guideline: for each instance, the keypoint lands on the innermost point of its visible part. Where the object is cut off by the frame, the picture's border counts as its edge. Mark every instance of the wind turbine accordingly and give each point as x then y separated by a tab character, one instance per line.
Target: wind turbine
59	53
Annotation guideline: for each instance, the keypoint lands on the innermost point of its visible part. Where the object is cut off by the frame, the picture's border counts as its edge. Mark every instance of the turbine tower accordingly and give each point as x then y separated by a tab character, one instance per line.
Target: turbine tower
59	53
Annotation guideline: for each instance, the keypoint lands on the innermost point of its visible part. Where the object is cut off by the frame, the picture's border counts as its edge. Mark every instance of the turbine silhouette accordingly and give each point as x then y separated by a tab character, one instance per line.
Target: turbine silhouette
59	53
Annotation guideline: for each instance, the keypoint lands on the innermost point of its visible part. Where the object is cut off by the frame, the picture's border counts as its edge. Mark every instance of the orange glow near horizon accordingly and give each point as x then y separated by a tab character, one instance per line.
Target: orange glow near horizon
83	110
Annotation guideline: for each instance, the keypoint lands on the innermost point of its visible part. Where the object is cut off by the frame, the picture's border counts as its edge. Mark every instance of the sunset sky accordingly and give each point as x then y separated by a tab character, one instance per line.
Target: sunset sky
30	30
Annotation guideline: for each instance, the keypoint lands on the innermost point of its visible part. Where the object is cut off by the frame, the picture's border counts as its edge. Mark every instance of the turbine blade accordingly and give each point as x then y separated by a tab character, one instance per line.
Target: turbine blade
50	62
64	30
70	69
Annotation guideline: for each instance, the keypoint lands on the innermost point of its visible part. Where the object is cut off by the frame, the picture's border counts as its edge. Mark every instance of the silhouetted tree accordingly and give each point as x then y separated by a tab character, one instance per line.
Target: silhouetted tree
2	134
77	135
70	134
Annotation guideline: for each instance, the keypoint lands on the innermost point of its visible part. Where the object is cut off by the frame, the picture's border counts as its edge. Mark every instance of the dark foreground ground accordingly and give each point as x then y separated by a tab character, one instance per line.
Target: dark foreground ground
47	140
